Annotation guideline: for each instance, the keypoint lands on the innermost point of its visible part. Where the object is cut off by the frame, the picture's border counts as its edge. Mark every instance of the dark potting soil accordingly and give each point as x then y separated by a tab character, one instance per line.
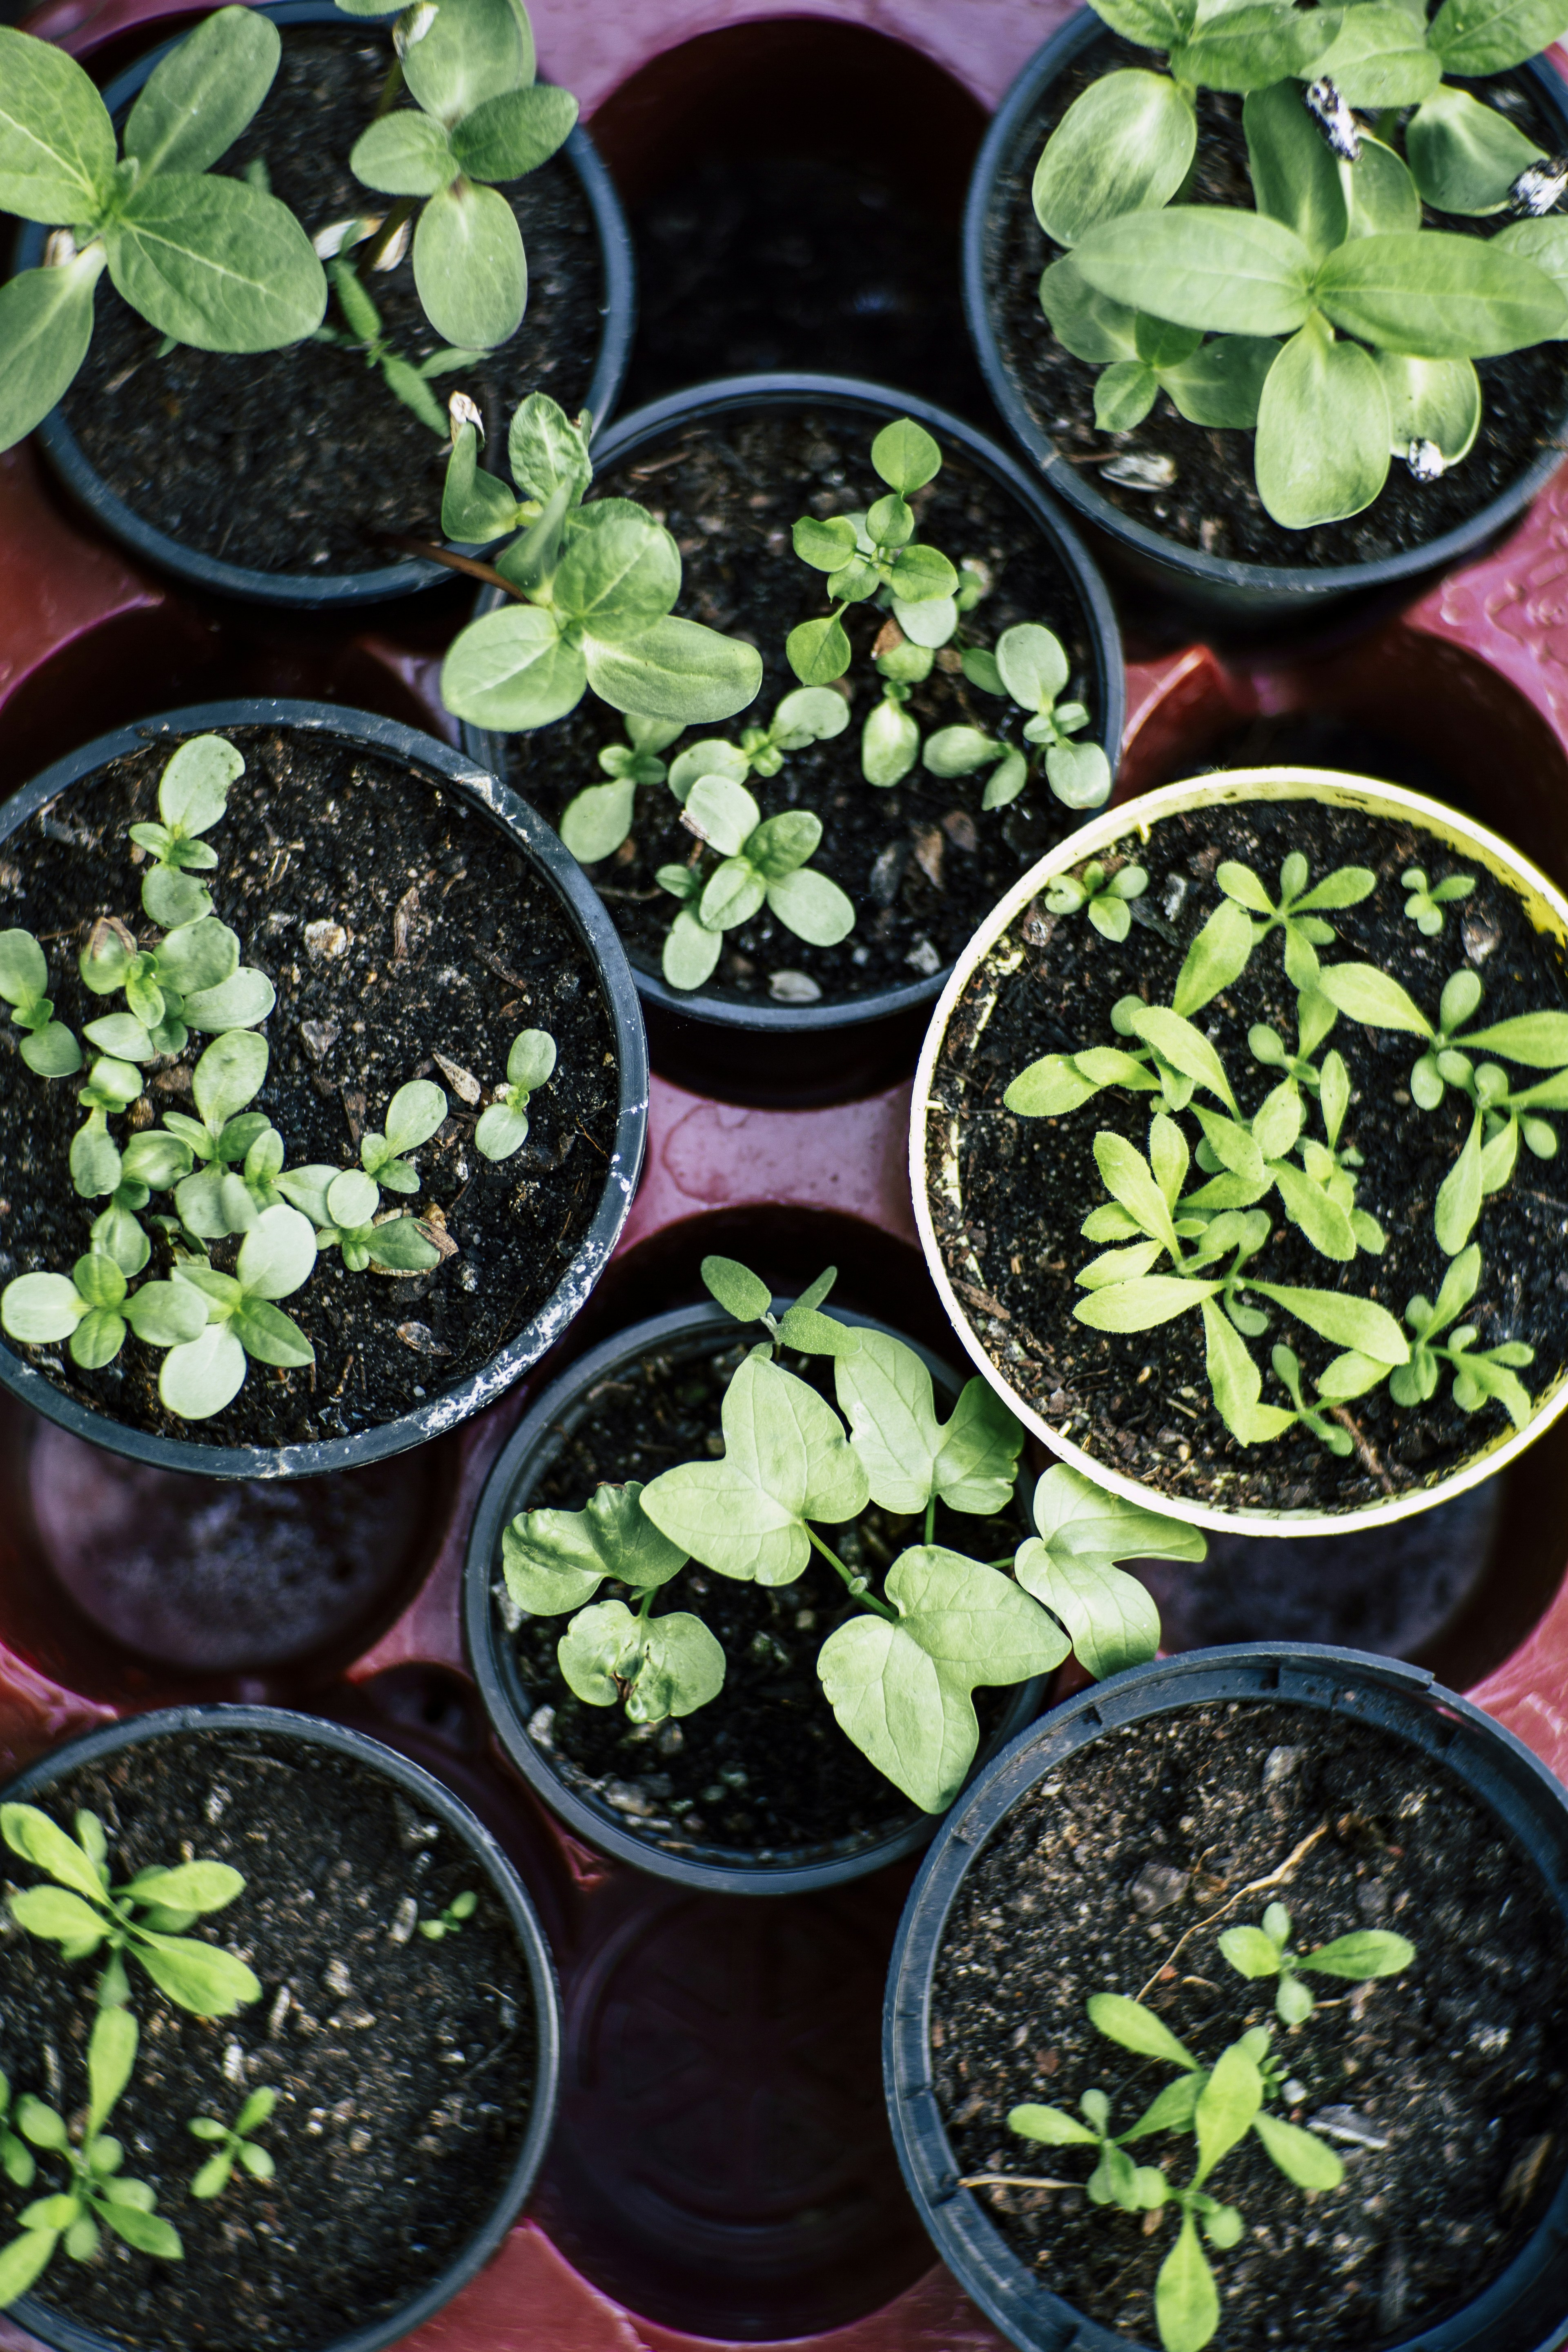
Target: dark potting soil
295	460
921	861
1142	1403
404	2067
397	924
1213	503
1440	2088
762	1771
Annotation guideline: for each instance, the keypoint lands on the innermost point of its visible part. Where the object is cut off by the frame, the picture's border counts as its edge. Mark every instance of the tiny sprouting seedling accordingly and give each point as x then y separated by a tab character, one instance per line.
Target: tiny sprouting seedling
342	1203
191	978
48	1048
199	1378
876	554
1298	913
235	2146
365	335
208	260
150	1162
81	1912
763	862
1426	901
413	1114
1029	665
1266	1951
899	1670
1103	895
95	1160
890	740
239	1151
449	1921
595	823
1478	1373
91	1309
99	2192
593	588
193	794
502	1129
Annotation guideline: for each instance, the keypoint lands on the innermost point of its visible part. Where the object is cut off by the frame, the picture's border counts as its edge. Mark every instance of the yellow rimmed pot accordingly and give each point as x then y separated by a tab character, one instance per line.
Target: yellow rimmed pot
998	951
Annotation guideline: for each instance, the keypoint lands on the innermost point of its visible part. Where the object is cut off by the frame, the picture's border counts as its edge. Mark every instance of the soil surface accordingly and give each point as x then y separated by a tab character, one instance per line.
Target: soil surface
397	923
1440	2088
921	860
1142	1403
404	2067
762	1771
295	460
1212	503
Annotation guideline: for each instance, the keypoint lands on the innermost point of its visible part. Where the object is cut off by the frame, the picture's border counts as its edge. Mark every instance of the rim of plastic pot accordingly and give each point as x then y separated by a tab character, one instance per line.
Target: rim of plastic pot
1521	2310
339	591
1211	577
65	2334
534	1446
724	397
584	911
1548	911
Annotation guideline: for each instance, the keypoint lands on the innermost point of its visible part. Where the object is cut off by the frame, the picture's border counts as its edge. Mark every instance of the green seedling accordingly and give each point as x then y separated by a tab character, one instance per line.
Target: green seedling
191	978
595	823
594	589
503	1127
413	1115
763	862
91	1310
238	1150
234	2145
1426	901
449	1921
899	1671
150	1162
16	2159
82	1912
193	794
100	2192
1104	896
875	554
200	1377
206	260
342	1203
1030	664
1480	1373
1296	913
365	335
890	740
47	1047
95	1160
1265	1951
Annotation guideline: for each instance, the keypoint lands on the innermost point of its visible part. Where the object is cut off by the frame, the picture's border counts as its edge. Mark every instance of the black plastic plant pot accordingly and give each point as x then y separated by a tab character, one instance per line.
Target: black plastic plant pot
433	1804
341	592
522	831
764	1049
540	1439
1235	595
1521	2309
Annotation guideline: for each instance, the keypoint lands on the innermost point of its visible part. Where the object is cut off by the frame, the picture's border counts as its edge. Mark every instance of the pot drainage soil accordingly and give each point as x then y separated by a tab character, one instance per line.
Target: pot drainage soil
762	1770
920	860
405	2066
1212	503
1142	1403
295	460
1440	2088
396	924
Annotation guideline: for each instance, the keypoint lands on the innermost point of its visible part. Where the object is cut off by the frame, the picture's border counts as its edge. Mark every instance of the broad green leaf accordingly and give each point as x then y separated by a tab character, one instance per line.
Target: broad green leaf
681	1668
1133	2027
813	906
1539	1040
511	134
277	1254
56	142
620	573
1202	266
148	2232
468	263
404	154
51	1052
809	714
1170	2110
1237	1384
29	1831
1186	2301
1226	2105
546	450
782	843
1383	199
166	1314
474	50
1079	1522
512	669
46	325
198	1977
1368	1952
1431	400
200	1377
1322	427
594	825
110	2055
1032	666
723	813
1112	1621
1150	23
1127	1176
1325	1223
215	264
690	952
24	2260
228	1075
1300	2155
413	1115
905	456
270	1336
1373	998
1124	393
1295	178
1436	296
1177	1041
1464	155
553	1561
977	1466
39	1308
600	1651
24	972
1137	1306
785	1460
901	1691
1544	242
1379	58
1085	322
193	791
1217	956
885	1393
921	575
474	504
1247	48
1458	1202
198	955
738	1290
195	101
1250	1952
1473	37
1118	1265
247	997
1345	1321
1052	2126
1124	146
1222	384
676	670
61	1916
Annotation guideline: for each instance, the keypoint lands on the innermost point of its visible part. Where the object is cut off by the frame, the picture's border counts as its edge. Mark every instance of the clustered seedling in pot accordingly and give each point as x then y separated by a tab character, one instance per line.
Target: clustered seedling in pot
522	668
1328	320
1270	1148
898	1674
225	1170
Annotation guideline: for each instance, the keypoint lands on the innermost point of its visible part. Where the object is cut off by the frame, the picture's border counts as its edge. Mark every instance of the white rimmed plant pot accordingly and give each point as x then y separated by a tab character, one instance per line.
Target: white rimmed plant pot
1547	909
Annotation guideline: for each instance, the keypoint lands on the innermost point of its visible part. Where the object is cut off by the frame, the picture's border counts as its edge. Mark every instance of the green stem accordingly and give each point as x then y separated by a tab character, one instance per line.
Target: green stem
930	1519
867	1599
647	1601
391	89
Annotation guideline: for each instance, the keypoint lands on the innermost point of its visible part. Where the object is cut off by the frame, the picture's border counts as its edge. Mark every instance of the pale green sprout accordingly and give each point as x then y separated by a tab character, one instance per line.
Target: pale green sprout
15	2156
100	2192
239	1151
413	1115
1297	912
1478	1373
890	740
763	862
91	1310
1030	665
1426	901
1105	895
235	2146
208	260
598	820
1266	1951
207	1373
95	1158
193	794
47	1047
192	979
81	1911
503	1127
342	1203
450	1920
875	554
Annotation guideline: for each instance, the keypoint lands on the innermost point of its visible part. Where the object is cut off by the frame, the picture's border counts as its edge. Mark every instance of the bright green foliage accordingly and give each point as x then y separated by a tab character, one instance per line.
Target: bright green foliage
762	861
875	554
99	2192
1030	665
1298	912
1480	1373
900	1672
81	1912
598	820
450	1919
503	1127
1104	895
365	335
193	793
1426	901
413	1114
90	1309
48	1046
234	2145
192	979
207	261
594	588
1266	1951
207	1373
